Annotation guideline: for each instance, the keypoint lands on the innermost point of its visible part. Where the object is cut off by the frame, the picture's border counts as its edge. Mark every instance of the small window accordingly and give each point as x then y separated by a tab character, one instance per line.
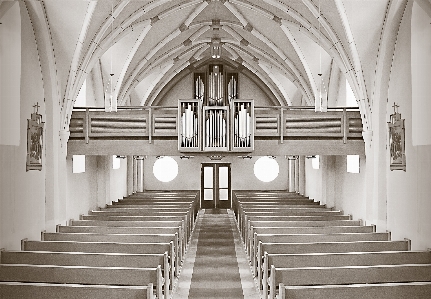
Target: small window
315	162
165	169
78	163
116	162
353	163
266	169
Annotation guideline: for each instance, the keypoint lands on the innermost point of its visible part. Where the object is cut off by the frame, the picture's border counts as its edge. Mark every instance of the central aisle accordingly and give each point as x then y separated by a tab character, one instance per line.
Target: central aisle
215	265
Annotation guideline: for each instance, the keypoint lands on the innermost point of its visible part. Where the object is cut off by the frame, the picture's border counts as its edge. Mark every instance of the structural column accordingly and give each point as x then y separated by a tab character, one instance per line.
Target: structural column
291	166
297	174
140	174
135	174
130	162
301	174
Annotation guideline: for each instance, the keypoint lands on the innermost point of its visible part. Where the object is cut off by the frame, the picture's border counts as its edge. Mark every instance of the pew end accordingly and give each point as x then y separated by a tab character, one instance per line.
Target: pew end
23	241
409	243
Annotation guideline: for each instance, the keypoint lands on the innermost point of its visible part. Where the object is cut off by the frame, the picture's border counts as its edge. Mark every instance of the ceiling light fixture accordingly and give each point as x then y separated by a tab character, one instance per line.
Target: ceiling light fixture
215	48
110	96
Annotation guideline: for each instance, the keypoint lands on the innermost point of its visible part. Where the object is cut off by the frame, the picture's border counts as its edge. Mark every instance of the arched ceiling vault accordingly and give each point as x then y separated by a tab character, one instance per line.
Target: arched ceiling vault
277	40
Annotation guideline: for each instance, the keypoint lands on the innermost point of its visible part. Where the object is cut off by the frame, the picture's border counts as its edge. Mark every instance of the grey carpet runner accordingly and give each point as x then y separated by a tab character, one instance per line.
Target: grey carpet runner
215	271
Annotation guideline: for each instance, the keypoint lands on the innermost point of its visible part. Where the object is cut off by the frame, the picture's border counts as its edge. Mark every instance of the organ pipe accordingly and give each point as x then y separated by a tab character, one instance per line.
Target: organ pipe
189	127
242	124
215	128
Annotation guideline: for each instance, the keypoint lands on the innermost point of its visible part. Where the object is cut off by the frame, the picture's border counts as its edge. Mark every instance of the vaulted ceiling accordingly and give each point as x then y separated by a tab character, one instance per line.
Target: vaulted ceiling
289	44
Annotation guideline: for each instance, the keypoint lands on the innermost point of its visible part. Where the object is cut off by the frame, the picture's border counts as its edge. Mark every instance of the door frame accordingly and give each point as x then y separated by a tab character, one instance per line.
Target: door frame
217	203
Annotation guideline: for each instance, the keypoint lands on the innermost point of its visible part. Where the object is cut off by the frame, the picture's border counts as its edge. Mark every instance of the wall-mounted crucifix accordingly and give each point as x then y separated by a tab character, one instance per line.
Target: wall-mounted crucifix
397	141
34	140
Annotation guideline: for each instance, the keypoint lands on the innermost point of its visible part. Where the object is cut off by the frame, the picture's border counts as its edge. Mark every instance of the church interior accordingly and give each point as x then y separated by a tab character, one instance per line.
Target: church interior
215	149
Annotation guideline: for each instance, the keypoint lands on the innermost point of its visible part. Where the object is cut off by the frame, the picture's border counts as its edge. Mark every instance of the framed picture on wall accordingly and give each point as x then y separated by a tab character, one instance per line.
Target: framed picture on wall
397	141
34	141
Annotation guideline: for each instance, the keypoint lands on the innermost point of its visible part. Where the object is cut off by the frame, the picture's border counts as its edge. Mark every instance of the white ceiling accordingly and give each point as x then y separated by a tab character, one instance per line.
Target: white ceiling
284	42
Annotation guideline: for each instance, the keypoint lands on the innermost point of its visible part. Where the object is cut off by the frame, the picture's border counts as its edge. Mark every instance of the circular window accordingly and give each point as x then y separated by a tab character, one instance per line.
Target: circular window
266	169
165	169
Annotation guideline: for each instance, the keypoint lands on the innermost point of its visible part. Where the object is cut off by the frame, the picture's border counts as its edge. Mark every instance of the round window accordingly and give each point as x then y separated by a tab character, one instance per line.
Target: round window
165	169
266	169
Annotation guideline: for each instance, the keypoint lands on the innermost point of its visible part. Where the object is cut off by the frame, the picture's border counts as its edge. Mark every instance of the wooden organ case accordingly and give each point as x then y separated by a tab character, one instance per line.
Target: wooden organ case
215	120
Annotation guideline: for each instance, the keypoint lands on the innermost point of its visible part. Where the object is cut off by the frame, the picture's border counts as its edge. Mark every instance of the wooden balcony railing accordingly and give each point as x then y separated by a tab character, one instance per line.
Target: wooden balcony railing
161	122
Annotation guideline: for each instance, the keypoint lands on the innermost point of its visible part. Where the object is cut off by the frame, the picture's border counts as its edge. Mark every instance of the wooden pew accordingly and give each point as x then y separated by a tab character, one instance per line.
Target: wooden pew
310	238
185	227
19	290
298	218
83	275
305	223
109	260
322	247
315	230
118	230
142	220
248	225
121	238
148	209
349	275
342	259
152	223
313	238
138	213
358	291
293	212
260	205
94	259
133	218
98	247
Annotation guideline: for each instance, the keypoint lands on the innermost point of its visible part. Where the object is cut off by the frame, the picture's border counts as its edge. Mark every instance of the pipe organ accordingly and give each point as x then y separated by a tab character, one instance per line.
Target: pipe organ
215	120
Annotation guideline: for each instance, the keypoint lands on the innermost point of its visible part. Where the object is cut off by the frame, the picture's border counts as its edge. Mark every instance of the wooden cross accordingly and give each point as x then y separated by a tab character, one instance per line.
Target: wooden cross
36	107
395	108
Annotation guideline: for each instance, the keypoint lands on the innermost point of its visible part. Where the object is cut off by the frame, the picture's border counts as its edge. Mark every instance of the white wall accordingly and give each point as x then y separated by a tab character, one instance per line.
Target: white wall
408	200
10	74
242	176
22	194
97	186
332	185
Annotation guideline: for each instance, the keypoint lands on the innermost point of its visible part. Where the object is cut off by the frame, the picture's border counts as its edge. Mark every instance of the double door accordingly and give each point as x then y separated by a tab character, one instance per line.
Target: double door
215	186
